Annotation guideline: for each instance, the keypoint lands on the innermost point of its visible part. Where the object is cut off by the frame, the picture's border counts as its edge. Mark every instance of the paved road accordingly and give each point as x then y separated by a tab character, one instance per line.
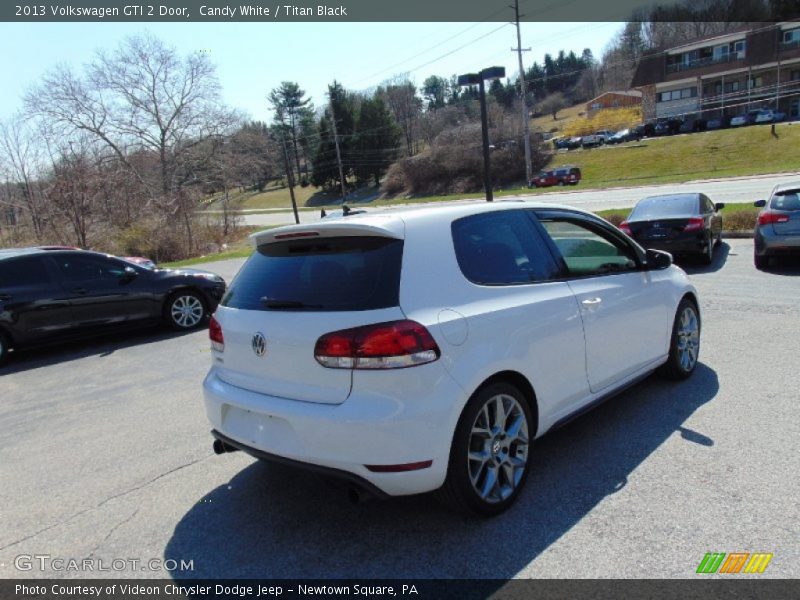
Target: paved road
105	452
738	189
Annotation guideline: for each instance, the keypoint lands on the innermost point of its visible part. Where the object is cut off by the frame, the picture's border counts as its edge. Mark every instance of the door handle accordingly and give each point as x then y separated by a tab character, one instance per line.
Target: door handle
591	301
80	291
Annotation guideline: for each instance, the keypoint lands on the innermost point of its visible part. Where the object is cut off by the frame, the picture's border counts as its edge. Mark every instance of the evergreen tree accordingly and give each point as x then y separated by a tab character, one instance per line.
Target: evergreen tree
377	142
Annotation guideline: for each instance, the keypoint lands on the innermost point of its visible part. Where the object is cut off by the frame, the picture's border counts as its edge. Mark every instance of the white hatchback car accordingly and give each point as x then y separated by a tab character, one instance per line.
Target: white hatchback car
426	349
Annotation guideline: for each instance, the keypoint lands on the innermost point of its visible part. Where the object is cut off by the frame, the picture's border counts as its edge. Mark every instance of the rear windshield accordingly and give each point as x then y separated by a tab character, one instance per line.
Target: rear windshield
665	206
788	200
329	274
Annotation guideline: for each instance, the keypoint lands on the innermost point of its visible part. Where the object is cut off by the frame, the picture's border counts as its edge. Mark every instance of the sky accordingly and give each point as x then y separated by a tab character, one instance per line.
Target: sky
253	58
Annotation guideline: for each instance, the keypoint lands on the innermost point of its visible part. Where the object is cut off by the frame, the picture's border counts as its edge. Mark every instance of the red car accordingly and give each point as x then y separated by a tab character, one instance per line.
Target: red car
566	175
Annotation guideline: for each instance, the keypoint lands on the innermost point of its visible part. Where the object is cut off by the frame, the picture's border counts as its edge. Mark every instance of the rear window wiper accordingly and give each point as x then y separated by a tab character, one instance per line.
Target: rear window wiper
275	303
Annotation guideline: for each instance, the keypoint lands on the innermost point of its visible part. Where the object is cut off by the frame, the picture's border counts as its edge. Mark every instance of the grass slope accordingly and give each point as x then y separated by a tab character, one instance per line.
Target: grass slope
726	153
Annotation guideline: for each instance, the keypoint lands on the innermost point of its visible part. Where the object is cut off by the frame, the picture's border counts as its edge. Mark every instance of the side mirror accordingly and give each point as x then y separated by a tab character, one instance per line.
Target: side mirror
760	203
719	206
657	259
129	274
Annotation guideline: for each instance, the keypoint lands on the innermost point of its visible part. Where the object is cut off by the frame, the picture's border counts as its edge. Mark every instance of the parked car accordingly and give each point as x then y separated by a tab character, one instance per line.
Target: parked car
560	143
566	175
88	292
574	142
677	223
624	135
767	115
596	139
662	127
712	124
645	130
777	230
326	354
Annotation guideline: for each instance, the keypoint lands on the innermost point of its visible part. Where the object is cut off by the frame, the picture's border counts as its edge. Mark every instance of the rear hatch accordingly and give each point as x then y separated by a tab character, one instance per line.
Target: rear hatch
301	283
787	203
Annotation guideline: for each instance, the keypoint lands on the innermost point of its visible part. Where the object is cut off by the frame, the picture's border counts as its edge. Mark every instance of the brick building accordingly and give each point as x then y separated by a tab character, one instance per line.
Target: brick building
616	99
724	75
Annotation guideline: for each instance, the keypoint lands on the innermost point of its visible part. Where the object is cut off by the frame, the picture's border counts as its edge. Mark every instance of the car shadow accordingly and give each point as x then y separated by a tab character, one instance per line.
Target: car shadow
694	265
103	344
271	521
783	265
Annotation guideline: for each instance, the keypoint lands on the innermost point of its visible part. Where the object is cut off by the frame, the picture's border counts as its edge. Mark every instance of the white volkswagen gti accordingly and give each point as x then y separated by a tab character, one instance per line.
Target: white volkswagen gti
425	349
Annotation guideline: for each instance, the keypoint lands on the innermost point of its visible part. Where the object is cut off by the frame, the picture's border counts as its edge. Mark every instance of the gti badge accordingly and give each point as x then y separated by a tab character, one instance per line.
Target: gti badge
259	343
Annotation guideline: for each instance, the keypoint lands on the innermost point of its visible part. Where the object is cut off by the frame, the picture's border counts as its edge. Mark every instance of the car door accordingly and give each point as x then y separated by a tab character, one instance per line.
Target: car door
33	306
103	290
624	309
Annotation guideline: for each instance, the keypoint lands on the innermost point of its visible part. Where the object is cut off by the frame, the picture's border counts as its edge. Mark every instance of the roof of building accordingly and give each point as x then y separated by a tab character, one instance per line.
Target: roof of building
632	93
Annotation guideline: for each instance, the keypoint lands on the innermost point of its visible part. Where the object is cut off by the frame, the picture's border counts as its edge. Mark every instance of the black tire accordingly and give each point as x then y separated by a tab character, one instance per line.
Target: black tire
185	310
5	346
458	492
760	262
560	183
708	255
675	367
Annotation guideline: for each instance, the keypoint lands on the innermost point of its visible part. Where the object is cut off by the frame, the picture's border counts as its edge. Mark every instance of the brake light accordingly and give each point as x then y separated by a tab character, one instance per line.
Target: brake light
392	345
625	228
215	335
694	224
769	217
299	234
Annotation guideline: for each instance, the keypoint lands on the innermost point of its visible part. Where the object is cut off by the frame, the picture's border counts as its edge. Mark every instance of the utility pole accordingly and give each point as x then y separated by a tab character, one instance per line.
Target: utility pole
526	125
289	177
338	153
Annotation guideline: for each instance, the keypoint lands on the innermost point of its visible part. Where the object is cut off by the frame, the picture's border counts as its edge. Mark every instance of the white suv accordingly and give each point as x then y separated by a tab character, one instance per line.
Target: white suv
426	349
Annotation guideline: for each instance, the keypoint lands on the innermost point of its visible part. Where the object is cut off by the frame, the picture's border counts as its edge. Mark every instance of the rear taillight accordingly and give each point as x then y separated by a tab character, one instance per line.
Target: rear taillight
625	228
215	335
769	217
694	224
393	345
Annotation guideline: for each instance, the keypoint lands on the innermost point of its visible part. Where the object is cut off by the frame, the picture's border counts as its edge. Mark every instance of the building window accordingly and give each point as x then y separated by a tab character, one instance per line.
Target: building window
721	52
689	92
739	48
791	37
596	105
795	76
756	82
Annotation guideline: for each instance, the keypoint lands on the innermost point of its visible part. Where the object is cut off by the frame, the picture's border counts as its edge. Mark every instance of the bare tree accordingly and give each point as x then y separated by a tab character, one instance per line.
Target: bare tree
400	94
22	156
142	98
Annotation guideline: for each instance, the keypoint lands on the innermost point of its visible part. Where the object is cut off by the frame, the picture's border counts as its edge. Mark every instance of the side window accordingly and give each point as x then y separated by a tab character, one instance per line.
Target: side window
705	205
501	248
588	251
88	268
26	272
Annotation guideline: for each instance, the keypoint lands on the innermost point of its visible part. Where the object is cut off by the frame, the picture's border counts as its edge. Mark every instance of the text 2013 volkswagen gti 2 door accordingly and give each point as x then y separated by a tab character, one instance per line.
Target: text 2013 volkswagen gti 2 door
426	349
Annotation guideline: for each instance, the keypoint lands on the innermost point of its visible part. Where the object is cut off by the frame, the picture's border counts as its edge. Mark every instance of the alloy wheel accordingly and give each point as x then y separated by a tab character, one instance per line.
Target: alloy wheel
688	339
498	448
187	311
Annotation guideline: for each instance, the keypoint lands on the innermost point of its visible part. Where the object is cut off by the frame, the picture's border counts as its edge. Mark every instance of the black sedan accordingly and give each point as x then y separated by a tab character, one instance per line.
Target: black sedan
678	223
52	295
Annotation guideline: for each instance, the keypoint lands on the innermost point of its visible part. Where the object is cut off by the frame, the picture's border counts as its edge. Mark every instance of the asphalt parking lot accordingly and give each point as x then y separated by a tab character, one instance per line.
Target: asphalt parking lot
105	452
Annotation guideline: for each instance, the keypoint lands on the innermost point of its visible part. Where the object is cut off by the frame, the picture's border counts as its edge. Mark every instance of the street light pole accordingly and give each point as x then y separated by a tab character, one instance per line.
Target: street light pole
487	168
478	79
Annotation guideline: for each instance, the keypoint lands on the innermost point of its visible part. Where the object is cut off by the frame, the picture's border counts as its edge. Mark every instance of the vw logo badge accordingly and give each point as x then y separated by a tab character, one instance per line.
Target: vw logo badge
259	343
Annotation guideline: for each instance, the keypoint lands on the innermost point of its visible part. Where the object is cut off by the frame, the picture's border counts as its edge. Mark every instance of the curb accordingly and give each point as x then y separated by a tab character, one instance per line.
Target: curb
742	235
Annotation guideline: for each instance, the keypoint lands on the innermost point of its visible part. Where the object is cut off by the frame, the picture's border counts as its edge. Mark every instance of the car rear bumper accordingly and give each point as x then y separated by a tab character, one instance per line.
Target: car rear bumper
768	243
696	244
377	429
